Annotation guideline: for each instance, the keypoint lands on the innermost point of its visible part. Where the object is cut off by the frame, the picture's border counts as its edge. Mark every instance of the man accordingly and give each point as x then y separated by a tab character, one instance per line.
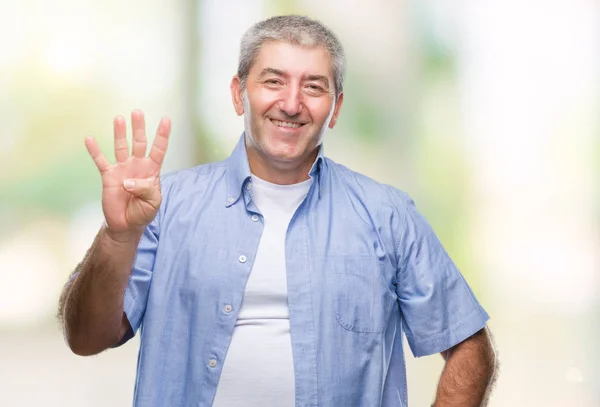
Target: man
276	277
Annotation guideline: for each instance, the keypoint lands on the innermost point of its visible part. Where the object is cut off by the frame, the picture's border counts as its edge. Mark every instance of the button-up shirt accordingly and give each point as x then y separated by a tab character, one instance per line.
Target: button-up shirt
364	268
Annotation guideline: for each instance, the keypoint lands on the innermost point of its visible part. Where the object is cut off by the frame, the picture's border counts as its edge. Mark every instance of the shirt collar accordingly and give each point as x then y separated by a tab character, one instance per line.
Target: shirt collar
238	171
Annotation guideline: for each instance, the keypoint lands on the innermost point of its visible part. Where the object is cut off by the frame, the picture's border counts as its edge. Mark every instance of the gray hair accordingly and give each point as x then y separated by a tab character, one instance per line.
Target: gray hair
295	30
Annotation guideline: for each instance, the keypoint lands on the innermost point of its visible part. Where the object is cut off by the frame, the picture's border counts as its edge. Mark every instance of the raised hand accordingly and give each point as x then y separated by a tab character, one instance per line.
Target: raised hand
131	192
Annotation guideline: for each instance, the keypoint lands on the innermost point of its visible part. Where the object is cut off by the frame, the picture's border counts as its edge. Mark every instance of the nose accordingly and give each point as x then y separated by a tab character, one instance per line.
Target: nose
291	101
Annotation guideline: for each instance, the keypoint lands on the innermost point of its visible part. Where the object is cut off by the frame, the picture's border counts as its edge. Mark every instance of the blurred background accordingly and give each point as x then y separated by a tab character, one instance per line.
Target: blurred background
486	113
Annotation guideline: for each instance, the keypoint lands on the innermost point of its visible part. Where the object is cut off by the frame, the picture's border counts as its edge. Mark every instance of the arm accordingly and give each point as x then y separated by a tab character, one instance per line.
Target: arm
91	305
442	314
469	373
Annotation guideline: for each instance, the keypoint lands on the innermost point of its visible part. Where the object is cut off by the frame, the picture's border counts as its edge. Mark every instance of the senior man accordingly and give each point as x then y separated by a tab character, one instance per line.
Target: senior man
276	277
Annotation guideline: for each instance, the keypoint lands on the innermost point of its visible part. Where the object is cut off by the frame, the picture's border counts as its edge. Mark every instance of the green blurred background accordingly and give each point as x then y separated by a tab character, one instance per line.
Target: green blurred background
486	113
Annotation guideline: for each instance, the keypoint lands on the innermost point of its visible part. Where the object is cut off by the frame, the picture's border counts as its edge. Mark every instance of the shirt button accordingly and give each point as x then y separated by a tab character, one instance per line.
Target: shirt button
249	186
212	363
242	259
230	199
254	218
228	308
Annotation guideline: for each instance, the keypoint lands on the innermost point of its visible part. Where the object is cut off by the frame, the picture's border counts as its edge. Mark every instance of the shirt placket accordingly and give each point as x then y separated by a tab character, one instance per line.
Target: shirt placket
302	327
241	262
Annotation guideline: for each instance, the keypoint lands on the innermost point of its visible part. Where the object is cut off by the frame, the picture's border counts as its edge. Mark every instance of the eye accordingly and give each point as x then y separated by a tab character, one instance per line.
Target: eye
314	89
273	81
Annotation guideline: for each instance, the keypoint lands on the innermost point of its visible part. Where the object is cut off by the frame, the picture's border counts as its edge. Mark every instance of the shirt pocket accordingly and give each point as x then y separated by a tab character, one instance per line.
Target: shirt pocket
362	300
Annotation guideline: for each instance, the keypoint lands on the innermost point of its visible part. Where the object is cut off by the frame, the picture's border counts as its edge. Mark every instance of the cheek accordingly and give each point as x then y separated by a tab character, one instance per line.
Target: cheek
321	112
263	101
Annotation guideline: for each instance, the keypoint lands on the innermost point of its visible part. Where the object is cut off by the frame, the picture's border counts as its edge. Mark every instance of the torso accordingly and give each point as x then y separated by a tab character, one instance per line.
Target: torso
258	369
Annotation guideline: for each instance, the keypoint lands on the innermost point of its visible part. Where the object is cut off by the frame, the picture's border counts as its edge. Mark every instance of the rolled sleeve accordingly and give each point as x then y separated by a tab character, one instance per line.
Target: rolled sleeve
138	287
438	306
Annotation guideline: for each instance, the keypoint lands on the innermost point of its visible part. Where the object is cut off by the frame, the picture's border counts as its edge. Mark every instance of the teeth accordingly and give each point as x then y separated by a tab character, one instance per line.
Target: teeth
286	124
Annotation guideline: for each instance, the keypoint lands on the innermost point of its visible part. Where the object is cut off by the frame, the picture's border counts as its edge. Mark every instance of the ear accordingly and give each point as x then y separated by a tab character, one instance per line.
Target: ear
236	95
336	111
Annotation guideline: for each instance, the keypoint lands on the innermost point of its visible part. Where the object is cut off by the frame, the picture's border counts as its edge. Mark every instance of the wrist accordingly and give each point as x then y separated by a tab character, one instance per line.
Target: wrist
127	237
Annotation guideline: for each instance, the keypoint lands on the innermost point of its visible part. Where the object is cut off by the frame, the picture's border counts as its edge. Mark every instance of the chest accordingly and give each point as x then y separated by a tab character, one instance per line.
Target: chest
340	252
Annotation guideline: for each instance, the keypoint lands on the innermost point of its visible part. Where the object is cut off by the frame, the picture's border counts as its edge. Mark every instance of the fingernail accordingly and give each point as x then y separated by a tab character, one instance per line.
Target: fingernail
129	184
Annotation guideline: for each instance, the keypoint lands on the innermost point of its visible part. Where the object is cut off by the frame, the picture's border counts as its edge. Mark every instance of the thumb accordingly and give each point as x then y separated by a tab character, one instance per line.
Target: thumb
143	189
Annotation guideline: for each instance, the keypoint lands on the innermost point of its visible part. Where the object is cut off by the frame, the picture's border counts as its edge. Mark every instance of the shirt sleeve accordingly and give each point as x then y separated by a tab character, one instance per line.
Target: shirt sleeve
438	307
138	287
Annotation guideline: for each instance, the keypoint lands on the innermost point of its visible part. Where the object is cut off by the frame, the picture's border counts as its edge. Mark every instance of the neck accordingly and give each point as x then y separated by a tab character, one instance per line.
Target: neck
281	173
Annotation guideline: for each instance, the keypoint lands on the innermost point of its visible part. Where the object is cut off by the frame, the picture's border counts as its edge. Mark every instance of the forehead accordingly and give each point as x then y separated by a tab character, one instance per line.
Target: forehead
294	60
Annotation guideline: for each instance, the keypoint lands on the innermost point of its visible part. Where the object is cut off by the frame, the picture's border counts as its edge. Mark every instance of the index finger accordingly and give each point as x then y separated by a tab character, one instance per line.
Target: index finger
161	141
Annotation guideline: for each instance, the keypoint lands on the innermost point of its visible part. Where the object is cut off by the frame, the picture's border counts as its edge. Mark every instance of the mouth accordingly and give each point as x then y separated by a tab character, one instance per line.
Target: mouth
287	125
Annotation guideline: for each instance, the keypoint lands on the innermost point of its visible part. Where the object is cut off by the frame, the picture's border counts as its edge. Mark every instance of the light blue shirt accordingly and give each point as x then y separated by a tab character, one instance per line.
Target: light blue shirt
363	268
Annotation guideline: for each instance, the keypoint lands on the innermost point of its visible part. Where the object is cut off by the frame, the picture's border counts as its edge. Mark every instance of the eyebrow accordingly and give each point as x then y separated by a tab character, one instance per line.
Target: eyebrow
274	71
279	72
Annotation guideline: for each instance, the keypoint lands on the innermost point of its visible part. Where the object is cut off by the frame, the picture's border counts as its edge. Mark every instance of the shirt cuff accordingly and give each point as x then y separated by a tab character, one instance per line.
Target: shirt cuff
451	336
131	311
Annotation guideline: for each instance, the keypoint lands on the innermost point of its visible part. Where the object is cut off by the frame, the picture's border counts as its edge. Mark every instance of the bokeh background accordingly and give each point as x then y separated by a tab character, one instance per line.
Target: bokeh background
486	112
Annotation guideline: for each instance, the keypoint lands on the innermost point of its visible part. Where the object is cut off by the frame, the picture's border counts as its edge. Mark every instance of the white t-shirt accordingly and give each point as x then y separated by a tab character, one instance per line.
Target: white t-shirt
259	368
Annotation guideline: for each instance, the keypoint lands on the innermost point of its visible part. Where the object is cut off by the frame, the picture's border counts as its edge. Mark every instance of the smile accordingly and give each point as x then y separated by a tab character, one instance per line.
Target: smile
292	125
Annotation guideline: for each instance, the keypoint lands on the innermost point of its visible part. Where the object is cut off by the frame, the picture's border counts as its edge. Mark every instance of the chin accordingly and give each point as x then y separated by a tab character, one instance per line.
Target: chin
282	156
275	146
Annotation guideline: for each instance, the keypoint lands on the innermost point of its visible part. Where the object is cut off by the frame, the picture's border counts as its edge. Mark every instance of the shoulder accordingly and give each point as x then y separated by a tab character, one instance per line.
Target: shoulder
188	185
370	192
193	177
383	206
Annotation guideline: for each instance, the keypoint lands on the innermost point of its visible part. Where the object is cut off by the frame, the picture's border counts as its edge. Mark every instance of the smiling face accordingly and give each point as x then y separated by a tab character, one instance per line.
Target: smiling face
288	103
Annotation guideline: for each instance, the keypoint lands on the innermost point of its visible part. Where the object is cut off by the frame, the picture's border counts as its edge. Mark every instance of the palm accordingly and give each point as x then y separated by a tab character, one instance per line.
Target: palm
123	210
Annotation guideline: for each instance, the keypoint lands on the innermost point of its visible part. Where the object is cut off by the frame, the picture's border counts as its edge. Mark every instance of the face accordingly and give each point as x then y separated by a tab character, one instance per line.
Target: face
288	103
